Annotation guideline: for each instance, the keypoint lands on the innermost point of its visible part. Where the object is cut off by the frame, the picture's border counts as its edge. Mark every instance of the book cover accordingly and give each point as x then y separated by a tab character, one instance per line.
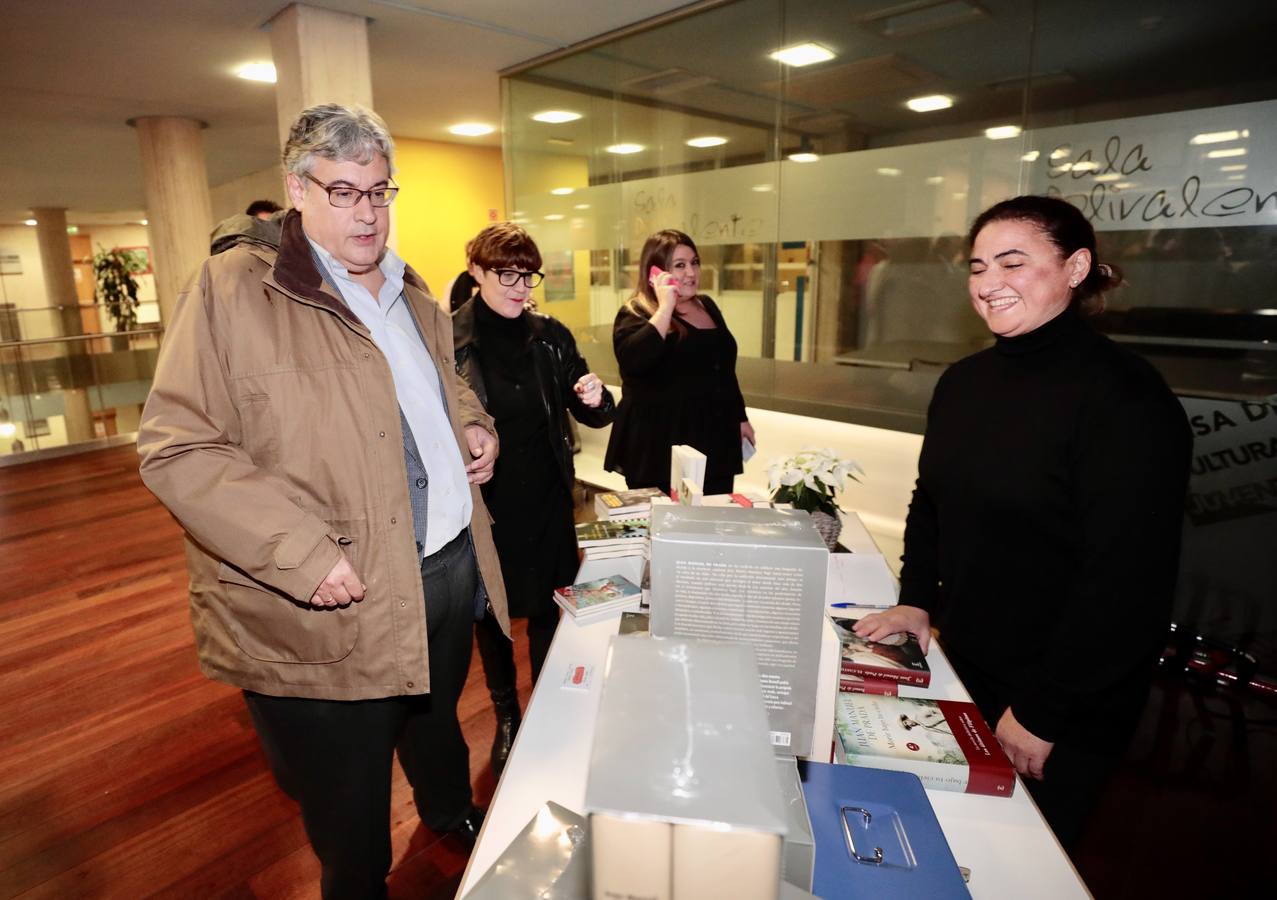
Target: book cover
946	743
898	657
686	462
598	596
548	859
621	502
854	684
616	551
595	534
877	814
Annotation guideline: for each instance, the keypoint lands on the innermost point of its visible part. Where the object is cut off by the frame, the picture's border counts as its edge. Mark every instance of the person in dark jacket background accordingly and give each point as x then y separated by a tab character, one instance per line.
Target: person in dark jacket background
678	374
1043	535
527	372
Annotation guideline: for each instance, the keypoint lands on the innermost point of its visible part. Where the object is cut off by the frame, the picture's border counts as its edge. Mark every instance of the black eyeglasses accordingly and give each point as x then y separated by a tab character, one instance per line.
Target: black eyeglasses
344	197
510	277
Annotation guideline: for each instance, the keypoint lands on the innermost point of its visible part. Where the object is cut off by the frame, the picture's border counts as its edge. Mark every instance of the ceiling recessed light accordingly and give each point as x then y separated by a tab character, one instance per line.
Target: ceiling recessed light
804	157
563	191
1031	156
935	179
1060	152
1234	177
1225	154
1123	185
1088	165
1108	176
30	222
144	221
802	54
709	140
625	149
1218	137
888	171
554	217
1235	167
471	129
1002	132
930	103
257	71
762	188
582	206
556	116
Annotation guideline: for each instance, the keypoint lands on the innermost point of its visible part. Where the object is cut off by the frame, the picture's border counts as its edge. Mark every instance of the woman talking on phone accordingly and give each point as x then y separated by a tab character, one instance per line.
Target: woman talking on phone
678	373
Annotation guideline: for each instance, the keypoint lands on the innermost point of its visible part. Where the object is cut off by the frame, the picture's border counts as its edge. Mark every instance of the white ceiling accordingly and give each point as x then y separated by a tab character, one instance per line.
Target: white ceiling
73	72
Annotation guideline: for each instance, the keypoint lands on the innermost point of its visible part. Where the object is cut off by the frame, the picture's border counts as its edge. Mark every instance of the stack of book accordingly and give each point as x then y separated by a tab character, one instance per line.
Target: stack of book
591	600
611	538
625	504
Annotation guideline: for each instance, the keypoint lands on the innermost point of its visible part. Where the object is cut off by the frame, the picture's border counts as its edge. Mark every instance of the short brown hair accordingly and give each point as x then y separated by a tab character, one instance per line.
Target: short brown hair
504	245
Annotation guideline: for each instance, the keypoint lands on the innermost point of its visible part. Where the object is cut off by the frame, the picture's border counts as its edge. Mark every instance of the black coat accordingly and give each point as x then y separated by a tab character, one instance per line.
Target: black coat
558	367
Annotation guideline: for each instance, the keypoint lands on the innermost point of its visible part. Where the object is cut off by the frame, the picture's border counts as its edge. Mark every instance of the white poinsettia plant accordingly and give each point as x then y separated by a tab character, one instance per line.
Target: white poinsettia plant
811	479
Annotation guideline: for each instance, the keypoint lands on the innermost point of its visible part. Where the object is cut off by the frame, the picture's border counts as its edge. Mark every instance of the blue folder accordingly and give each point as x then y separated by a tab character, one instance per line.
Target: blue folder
876	836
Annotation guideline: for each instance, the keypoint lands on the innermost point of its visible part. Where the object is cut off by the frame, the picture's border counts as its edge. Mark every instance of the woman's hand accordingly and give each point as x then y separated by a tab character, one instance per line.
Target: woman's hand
1026	750
876	626
589	387
666	290
747	433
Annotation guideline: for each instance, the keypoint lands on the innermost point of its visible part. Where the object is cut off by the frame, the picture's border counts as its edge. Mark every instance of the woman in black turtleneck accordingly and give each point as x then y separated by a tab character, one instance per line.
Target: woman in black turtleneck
1043	535
526	370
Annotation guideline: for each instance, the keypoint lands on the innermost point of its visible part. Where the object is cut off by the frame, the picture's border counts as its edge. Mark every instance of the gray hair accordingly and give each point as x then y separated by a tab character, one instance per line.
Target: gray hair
338	133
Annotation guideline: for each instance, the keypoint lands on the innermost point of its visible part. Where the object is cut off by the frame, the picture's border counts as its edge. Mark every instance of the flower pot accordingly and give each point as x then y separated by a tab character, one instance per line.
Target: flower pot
829	527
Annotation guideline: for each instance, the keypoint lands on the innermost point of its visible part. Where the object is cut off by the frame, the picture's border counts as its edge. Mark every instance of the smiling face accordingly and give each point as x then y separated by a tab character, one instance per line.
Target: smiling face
685	266
356	237
1018	279
502	300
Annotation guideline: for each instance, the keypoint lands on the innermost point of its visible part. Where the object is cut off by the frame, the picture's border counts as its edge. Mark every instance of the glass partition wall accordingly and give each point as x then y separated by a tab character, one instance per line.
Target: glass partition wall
827	156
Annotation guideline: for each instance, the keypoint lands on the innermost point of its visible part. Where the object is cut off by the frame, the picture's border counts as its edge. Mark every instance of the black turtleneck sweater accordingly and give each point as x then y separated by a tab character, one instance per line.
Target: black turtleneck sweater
1043	536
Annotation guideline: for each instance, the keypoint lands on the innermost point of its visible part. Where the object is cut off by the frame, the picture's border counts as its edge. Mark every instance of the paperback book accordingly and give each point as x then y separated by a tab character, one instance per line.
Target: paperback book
946	743
592	599
617	551
897	658
609	533
625	503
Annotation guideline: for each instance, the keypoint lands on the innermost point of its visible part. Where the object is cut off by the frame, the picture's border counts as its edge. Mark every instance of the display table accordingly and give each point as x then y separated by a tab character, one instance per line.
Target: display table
1003	841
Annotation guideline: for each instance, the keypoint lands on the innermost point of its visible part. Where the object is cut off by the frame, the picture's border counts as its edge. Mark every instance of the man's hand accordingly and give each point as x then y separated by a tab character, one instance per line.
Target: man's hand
339	588
483	447
1026	750
747	433
876	626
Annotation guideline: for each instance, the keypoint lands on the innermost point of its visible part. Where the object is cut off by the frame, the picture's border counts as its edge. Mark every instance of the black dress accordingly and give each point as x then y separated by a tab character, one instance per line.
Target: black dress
680	389
1043	538
531	508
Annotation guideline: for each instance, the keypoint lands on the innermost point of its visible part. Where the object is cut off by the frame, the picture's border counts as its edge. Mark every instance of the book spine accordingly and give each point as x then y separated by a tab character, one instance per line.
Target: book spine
630	858
868	686
901	676
990	771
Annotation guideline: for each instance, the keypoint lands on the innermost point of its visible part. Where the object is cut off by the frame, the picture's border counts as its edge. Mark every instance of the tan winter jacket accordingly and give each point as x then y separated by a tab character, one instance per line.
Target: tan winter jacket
272	433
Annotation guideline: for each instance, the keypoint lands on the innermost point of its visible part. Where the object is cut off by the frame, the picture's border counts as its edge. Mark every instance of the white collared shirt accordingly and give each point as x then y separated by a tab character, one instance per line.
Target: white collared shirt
417	387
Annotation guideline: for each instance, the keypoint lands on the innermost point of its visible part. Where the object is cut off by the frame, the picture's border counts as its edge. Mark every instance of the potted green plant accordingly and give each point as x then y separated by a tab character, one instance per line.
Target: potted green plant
116	288
810	480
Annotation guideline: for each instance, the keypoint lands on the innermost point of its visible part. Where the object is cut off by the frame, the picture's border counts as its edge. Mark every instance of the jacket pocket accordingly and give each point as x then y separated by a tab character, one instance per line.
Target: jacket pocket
260	435
270	626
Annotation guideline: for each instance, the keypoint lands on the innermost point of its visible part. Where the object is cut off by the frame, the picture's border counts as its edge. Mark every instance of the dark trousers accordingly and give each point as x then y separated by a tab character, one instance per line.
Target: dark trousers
497	651
334	757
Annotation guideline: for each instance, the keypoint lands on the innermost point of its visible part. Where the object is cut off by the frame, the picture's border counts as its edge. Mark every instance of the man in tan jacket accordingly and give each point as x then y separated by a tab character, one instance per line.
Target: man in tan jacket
307	428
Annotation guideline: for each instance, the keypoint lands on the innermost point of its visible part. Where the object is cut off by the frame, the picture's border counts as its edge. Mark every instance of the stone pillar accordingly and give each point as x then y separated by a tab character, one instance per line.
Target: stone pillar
320	56
178	209
55	261
59	286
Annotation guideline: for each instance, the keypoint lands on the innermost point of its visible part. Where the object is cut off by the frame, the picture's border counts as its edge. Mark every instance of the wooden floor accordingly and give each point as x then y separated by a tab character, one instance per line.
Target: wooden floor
123	771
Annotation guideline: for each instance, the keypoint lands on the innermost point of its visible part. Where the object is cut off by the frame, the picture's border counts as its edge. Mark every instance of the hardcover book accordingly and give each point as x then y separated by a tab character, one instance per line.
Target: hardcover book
591	599
897	658
547	860
686	462
854	684
946	743
610	533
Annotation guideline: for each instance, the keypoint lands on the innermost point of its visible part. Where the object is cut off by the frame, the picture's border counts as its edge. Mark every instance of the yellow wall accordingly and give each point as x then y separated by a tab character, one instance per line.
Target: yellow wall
449	192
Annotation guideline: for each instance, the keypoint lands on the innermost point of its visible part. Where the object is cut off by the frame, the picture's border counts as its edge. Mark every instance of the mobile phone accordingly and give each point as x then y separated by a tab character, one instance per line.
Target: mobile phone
654	273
